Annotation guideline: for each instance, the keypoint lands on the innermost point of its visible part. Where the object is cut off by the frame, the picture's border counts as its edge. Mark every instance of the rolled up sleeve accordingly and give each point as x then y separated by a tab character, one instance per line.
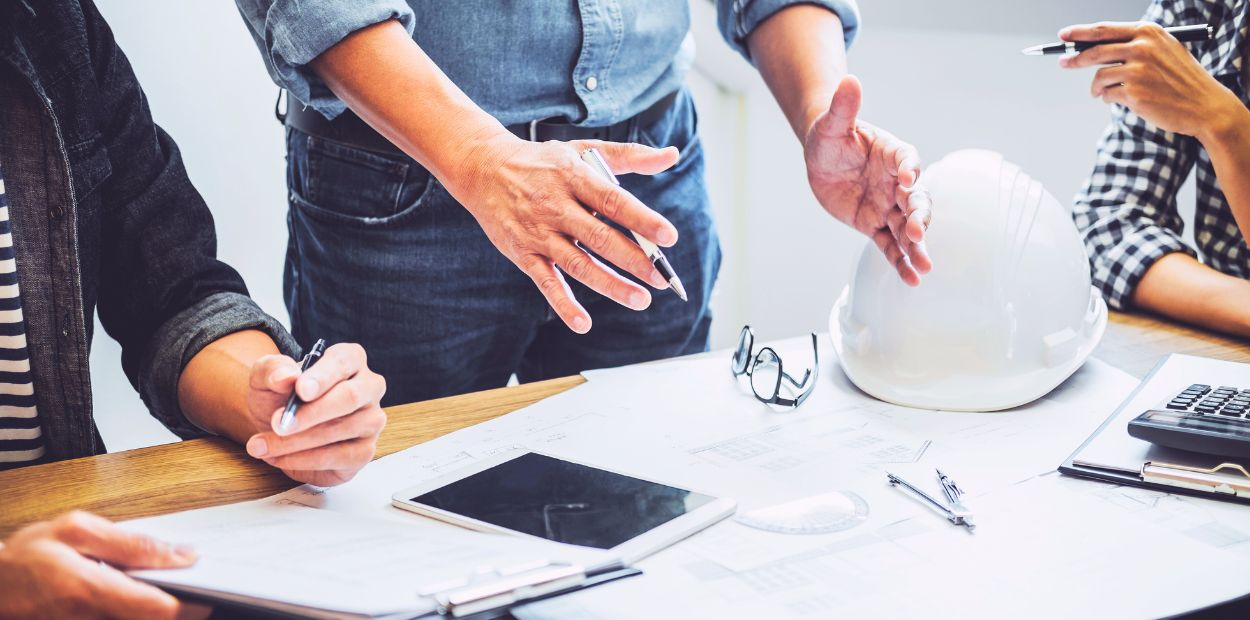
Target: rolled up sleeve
291	33
1127	211
739	18
183	336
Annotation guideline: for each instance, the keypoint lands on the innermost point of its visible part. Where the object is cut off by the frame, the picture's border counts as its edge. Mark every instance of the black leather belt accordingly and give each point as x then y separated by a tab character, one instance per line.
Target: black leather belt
349	129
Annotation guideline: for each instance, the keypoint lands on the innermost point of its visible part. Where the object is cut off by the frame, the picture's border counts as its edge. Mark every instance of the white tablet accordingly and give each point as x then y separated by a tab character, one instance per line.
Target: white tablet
537	495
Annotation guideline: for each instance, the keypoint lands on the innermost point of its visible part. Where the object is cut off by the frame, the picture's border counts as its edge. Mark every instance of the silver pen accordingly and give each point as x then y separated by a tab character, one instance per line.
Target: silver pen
596	161
961	517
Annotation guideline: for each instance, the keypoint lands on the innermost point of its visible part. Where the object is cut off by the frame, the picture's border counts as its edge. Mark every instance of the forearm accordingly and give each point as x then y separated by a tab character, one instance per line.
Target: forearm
1227	142
386	79
801	54
1180	287
213	388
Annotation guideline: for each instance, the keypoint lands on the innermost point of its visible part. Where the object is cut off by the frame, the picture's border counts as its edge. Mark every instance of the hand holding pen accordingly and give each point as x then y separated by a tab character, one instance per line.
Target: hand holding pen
318	421
1149	70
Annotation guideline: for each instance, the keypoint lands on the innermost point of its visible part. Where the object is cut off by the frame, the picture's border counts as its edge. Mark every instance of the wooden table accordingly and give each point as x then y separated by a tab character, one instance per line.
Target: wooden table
210	472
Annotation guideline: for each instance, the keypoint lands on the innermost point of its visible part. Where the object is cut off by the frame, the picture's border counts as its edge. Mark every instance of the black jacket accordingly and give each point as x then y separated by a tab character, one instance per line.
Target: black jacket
103	216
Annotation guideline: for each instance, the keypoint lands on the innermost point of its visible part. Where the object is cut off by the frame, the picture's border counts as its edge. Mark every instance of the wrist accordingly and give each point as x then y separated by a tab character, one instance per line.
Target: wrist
1226	125
473	160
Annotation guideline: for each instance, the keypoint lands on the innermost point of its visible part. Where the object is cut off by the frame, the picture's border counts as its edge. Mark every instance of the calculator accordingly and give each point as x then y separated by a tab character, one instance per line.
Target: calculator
1199	418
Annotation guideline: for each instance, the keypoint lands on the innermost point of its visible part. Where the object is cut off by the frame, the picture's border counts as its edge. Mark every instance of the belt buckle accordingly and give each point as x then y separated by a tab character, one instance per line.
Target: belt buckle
534	131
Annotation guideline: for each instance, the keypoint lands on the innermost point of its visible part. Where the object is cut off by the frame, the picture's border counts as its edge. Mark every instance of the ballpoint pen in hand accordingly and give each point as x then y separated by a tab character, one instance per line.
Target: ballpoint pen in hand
287	421
1184	34
596	161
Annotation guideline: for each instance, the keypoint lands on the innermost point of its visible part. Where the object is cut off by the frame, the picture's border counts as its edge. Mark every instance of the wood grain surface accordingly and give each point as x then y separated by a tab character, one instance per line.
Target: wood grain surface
210	472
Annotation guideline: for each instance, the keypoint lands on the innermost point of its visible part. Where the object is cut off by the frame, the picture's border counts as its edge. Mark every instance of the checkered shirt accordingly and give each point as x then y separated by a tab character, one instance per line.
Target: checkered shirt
1127	211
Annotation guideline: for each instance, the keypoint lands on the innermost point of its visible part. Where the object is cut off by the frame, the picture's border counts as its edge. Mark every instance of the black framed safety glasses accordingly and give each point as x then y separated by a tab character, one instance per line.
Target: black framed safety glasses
767	373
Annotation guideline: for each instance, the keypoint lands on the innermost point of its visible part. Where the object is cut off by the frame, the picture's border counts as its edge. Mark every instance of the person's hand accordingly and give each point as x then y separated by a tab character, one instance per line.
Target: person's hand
867	179
536	204
53	569
1151	73
337	426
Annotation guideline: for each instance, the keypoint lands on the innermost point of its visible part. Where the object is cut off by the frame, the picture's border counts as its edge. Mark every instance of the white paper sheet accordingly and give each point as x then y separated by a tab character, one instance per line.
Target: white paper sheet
1044	549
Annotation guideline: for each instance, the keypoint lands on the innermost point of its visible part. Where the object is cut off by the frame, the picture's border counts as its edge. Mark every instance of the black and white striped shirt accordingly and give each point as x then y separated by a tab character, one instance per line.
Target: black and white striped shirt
21	437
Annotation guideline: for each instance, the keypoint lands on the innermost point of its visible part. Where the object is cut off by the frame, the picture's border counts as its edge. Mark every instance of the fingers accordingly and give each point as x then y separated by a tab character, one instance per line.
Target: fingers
556	290
616	204
364	423
1109	54
99	538
274	373
626	157
344	455
918	207
844	109
614	247
343	398
907	164
1108	77
1106	31
119	596
588	270
338	363
888	245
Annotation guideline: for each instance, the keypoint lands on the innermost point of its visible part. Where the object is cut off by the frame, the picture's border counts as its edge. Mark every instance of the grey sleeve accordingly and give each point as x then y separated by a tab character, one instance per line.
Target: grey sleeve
183	336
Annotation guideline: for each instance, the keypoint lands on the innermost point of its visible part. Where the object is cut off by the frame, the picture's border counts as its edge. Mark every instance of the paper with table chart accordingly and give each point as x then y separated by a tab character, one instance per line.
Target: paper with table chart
1045	541
286	557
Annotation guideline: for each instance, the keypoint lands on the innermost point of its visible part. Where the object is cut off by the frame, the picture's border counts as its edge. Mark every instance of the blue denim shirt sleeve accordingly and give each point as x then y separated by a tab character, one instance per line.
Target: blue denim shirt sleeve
739	18
291	33
183	336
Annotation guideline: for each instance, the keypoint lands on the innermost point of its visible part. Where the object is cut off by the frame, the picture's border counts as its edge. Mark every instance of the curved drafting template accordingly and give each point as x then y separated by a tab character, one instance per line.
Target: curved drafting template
826	513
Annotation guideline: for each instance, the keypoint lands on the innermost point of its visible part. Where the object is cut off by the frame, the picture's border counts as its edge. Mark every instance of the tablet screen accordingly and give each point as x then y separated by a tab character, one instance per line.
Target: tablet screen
562	501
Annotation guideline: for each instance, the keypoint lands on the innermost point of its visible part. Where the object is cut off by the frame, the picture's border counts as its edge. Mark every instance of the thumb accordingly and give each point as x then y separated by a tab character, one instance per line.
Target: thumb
624	158
99	538
844	109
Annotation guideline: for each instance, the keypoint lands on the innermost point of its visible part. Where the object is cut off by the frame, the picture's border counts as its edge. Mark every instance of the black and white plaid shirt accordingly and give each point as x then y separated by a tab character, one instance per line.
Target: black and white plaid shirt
1127	211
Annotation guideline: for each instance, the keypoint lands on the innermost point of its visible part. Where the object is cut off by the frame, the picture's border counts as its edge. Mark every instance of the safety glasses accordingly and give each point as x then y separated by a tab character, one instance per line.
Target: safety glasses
767	373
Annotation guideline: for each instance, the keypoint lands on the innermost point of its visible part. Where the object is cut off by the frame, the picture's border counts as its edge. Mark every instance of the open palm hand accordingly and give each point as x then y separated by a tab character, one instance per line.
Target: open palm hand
867	178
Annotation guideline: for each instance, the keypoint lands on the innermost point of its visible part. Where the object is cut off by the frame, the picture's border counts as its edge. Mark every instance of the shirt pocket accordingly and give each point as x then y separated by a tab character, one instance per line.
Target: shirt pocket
345	185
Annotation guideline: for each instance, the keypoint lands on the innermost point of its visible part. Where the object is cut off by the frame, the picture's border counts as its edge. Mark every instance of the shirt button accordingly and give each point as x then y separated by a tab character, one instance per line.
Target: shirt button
592	83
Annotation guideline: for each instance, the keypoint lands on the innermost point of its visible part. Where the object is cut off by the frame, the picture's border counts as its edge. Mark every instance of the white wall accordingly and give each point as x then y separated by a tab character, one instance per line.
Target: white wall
943	75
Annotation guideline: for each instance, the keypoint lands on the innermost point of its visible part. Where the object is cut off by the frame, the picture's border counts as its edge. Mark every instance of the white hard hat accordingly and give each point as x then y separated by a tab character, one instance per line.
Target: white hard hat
1007	314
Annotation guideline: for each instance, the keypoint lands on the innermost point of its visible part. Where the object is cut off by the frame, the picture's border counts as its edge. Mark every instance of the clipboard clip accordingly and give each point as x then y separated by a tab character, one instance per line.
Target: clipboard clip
488	590
1225	478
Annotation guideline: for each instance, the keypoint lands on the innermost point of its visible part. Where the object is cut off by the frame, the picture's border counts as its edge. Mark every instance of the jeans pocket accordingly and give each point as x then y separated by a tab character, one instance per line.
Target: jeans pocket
679	127
339	184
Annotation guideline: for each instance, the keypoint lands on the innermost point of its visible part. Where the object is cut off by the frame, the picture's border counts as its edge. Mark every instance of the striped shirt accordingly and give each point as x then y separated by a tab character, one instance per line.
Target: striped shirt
21	437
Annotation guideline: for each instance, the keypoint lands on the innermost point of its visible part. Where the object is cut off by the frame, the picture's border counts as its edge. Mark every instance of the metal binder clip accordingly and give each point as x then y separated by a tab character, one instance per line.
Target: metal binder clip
495	589
1225	478
953	509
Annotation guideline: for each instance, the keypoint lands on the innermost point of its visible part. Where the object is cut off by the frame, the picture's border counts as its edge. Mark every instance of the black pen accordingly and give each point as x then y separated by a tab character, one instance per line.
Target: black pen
287	422
1184	34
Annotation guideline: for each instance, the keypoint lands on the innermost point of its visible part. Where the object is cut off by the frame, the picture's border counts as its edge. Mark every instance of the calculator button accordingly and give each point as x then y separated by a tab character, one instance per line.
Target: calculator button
1199	386
1176	405
1210	402
1201	409
1227	412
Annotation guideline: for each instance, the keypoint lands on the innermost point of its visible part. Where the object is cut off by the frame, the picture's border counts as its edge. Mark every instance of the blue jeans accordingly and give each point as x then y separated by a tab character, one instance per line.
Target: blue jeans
380	254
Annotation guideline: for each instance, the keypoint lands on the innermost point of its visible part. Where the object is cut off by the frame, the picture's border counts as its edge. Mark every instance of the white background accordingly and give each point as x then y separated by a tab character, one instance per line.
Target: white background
942	75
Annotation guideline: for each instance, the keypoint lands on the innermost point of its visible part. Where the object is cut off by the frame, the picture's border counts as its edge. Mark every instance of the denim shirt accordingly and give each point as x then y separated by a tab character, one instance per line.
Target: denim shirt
103	217
592	62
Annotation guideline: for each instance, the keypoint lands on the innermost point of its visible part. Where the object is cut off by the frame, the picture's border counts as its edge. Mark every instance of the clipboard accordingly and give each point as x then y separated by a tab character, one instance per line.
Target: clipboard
483	599
1111	455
